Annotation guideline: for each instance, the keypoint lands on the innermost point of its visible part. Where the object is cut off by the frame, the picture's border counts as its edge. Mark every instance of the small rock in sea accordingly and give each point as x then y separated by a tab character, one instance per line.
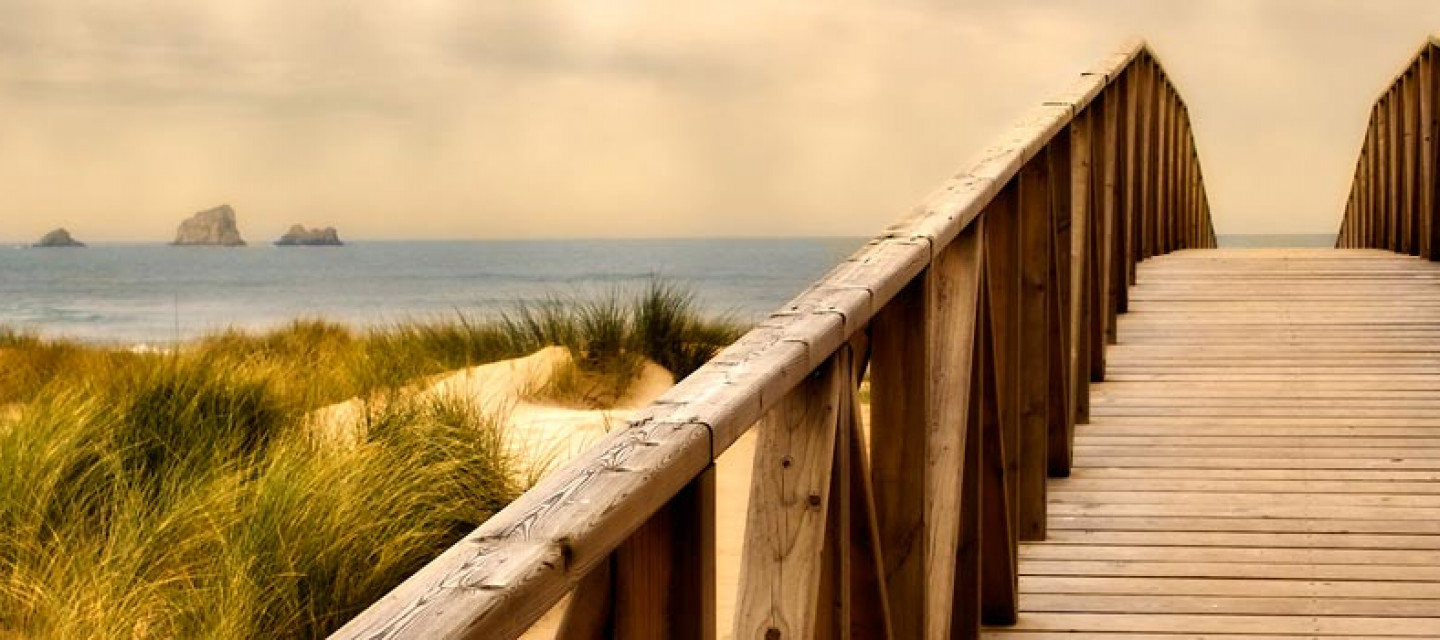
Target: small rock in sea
299	236
212	227
58	238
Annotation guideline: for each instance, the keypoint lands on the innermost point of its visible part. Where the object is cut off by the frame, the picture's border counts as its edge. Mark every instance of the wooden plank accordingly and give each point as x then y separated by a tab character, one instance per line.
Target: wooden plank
1229	624
969	555
1035	349
1230	555
589	615
789	501
1430	158
957	279
1377	497
1251	570
1161	212
1164	132
1115	186
870	615
1129	191
1002	278
834	601
1290	540
1136	173
1319	590
998	576
1144	228
1102	208
1060	405
1425	148
1393	158
1243	605
665	572
1377	174
1080	278
1263	456
1241	524
852	601
900	416
1410	162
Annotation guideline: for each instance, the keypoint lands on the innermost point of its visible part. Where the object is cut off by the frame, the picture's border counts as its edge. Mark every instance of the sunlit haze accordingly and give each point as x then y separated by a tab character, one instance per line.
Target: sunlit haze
609	118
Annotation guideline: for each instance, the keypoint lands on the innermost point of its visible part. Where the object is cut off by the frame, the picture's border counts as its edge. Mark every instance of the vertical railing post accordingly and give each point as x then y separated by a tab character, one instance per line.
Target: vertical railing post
1101	223
1377	179
1129	190
790	499
999	413
1002	264
1392	168
1429	246
1116	294
1060	406
1175	216
1144	166
1102	178
1163	165
953	585
659	584
900	418
1081	180
1034	355
1409	122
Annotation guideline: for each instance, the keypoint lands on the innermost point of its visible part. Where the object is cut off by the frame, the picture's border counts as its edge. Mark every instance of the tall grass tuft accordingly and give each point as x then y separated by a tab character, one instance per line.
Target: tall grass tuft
183	494
670	331
199	507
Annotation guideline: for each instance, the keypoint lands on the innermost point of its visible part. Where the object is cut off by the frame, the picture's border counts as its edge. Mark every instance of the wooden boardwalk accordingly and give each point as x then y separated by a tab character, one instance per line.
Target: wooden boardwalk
1263	460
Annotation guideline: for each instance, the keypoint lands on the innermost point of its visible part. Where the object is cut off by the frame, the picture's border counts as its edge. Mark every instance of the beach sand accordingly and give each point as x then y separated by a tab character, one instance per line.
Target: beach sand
546	436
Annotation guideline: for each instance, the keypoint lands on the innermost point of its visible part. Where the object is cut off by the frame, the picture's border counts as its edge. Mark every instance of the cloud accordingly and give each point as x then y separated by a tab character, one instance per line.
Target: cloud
636	117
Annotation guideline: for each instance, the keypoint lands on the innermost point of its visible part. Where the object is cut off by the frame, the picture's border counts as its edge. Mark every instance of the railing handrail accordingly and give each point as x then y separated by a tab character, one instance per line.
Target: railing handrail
1432	40
518	564
1392	202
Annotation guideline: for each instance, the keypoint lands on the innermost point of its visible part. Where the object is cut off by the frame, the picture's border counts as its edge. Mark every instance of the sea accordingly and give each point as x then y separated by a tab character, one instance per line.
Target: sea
155	294
1270	240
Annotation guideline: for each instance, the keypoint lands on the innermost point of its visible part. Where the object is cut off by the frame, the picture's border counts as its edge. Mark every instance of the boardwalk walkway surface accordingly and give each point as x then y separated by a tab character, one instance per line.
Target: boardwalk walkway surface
1263	460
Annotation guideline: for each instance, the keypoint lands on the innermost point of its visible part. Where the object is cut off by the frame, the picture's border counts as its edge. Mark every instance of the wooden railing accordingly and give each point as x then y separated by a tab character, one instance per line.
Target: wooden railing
1392	199
981	319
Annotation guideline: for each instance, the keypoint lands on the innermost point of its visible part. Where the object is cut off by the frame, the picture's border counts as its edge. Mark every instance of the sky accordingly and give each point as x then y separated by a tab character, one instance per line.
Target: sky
638	118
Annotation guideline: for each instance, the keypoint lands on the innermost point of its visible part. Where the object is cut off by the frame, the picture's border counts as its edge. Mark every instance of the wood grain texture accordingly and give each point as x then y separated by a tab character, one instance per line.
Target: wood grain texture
1036	251
998	577
664	574
789	501
1082	201
957	280
899	419
1060	406
1002	284
1298	502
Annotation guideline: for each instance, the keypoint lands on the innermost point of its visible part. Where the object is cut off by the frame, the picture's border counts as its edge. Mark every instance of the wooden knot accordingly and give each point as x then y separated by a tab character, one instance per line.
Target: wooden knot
772	634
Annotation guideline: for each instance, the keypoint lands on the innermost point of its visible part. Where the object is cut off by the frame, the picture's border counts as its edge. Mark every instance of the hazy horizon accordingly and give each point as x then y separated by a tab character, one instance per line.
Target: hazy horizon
437	119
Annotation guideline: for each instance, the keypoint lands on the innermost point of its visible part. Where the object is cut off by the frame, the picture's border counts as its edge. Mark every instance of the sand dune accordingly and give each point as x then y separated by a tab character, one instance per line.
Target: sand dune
547	435
537	430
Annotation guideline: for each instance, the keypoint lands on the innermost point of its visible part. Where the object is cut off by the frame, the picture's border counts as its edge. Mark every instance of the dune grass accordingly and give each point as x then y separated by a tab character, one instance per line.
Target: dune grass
160	495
